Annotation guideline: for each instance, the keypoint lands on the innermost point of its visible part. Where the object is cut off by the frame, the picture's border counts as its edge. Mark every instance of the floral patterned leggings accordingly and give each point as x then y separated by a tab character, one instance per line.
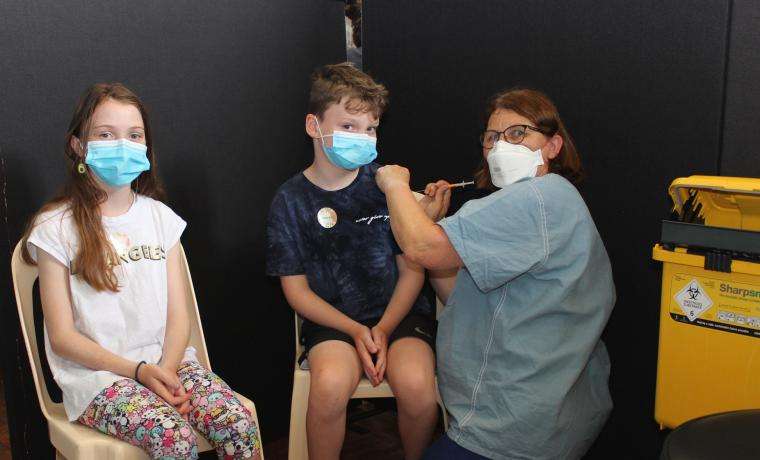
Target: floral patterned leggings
131	412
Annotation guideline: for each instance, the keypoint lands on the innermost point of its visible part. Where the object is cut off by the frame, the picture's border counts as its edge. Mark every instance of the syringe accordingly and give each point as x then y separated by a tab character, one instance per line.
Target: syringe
458	184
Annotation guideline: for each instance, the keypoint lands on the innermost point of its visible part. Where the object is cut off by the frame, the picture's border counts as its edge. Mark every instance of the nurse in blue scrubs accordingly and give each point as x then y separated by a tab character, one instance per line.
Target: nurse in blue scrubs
521	366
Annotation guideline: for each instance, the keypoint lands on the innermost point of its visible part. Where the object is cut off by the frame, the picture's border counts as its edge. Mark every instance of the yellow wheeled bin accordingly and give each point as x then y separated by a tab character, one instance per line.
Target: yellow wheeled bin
709	352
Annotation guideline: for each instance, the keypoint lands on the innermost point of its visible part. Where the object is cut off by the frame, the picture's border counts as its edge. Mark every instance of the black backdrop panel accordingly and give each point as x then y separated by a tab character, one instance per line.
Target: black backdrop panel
226	85
640	87
741	136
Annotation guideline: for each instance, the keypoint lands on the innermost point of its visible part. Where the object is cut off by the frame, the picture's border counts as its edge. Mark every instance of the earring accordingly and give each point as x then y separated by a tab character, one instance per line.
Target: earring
81	168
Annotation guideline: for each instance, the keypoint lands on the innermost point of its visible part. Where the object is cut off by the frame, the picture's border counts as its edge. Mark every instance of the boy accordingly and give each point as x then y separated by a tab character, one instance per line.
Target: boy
330	242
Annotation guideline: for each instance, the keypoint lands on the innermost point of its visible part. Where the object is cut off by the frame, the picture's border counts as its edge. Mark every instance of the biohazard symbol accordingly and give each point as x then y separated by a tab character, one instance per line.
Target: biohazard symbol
693	292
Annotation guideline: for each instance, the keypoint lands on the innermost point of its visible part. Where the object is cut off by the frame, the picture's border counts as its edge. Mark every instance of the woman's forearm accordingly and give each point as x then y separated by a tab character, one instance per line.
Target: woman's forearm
423	241
413	229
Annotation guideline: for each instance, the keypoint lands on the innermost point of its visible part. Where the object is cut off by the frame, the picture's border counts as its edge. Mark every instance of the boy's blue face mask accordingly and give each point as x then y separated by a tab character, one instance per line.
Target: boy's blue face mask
117	162
349	150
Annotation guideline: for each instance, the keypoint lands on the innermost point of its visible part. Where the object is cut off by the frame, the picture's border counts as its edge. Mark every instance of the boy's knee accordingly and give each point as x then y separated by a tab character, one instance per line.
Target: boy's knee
330	392
414	390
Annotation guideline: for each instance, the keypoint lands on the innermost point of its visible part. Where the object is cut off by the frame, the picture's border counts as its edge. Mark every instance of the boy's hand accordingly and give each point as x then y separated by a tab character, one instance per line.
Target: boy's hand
364	347
380	337
437	200
390	176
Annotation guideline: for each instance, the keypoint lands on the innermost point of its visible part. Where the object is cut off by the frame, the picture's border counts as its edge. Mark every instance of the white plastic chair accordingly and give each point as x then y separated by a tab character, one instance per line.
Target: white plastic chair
297	442
72	440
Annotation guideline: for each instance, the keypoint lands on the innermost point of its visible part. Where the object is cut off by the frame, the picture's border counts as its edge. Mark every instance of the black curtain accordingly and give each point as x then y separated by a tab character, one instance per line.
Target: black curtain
640	86
226	84
741	136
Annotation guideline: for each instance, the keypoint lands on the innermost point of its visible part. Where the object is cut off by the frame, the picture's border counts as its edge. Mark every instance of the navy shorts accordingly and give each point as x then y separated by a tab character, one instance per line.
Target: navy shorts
414	325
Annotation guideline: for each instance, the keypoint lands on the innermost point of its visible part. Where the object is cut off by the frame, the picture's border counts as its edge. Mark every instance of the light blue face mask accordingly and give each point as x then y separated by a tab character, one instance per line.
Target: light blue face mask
117	162
349	150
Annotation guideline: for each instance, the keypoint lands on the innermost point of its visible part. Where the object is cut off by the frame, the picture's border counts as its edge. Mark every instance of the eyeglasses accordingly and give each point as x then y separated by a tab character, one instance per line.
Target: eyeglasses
514	135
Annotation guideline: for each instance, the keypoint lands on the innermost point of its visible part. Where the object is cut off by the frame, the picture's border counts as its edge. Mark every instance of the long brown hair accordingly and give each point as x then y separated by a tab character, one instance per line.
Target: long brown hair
539	109
81	195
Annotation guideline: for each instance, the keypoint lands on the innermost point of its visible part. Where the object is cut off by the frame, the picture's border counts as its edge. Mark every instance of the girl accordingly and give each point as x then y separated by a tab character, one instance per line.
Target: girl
116	327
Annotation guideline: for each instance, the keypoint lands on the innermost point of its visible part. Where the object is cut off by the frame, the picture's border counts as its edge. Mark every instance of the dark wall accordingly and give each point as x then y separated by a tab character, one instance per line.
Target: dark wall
640	86
226	84
741	136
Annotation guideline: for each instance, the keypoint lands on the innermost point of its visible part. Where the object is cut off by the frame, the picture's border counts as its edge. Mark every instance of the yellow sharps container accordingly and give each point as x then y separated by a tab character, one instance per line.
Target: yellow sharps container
709	352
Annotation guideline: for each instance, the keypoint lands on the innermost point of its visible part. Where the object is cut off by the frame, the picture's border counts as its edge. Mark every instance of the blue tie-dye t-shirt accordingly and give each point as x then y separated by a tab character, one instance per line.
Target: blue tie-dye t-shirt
341	240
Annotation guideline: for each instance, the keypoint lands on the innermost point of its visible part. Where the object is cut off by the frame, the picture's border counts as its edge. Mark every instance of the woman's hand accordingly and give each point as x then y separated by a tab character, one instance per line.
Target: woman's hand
380	337
437	200
366	347
389	176
164	383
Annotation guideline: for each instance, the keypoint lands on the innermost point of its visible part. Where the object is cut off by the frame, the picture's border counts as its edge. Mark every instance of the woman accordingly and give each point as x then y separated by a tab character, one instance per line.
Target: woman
113	297
521	366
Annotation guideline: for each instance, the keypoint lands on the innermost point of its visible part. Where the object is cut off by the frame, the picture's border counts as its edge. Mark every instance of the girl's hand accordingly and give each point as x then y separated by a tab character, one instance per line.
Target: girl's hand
437	200
163	383
364	347
183	408
380	337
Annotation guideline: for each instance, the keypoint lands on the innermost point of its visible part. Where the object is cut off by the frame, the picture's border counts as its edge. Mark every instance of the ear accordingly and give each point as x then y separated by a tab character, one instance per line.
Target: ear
552	147
77	146
311	126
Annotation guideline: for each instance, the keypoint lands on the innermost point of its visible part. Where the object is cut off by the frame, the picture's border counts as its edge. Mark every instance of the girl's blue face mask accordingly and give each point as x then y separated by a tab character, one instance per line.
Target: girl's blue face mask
349	150
117	162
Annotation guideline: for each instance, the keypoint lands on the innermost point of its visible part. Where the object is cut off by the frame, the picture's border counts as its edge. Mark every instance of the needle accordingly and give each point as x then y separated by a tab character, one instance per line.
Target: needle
458	184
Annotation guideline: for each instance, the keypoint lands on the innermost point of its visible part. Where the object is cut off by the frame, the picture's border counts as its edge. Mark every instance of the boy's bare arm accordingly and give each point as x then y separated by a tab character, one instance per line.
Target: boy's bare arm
443	282
311	306
411	278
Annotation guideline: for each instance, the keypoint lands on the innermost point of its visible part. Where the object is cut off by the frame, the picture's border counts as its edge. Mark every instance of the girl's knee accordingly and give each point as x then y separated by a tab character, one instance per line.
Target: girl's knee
233	431
169	435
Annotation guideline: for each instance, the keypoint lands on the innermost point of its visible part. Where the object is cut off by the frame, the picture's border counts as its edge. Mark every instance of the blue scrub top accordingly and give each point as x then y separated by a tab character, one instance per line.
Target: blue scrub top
521	366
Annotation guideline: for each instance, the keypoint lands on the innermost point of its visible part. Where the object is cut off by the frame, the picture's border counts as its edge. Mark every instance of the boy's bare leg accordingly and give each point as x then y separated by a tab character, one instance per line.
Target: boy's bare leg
335	373
411	374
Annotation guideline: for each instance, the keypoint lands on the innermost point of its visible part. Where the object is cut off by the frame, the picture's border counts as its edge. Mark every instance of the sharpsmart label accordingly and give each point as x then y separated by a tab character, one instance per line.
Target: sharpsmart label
716	304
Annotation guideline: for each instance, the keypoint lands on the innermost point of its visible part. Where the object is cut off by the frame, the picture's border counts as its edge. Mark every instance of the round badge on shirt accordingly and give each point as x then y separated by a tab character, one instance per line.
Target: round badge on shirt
327	217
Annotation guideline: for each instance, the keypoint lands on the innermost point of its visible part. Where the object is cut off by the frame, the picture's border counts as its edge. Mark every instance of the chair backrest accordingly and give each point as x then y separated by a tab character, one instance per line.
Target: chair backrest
299	346
24	276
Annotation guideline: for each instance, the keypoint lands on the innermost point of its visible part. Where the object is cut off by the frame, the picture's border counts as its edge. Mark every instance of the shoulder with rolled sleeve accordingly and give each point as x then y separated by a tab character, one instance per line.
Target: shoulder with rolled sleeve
53	231
501	236
171	225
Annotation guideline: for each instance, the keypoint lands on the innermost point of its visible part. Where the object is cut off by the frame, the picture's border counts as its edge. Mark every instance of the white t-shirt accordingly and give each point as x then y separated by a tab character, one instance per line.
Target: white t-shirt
130	323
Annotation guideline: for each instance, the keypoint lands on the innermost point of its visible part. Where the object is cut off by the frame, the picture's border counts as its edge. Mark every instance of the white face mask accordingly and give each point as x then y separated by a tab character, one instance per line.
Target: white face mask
509	163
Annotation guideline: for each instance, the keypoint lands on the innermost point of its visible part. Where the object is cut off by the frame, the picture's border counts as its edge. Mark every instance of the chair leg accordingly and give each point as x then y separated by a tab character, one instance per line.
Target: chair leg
297	442
443	408
445	417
